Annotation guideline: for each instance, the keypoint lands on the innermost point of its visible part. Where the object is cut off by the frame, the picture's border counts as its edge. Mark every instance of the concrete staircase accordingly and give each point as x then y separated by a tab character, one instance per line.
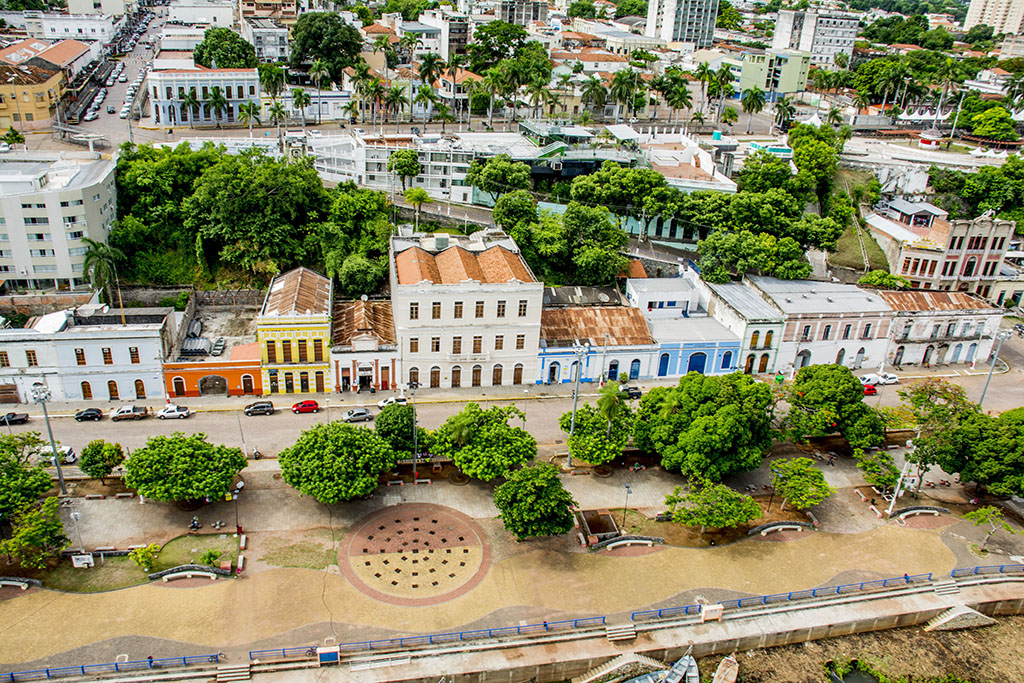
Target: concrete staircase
238	672
947	587
619	662
620	632
959	617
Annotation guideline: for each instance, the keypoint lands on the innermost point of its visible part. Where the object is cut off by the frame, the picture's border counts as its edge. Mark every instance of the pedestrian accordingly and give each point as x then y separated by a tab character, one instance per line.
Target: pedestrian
150	658
832	460
872	502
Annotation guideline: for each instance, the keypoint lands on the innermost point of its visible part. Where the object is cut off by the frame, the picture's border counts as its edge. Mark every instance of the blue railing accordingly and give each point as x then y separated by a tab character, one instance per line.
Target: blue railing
758	600
109	668
434	638
990	569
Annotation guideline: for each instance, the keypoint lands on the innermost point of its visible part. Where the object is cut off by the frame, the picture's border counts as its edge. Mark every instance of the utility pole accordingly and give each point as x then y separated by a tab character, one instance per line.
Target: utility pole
1001	336
579	352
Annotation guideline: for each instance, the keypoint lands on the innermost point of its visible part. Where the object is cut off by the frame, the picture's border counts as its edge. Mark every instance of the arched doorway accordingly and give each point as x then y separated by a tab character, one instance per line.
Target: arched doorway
613	370
517	374
247	384
971	351
140	389
112	390
496	376
841	356
859	359
289	384
957	350
803	359
86	391
663	365
727	360
897	360
414	377
456	377
634	369
763	365
477	372
554	373
929	353
697	362
574	370
435	377
748	367
304	382
215	384
942	353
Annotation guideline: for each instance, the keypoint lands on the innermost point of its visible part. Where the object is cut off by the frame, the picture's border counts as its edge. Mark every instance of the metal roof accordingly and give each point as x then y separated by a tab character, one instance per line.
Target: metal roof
809	296
746	302
935	301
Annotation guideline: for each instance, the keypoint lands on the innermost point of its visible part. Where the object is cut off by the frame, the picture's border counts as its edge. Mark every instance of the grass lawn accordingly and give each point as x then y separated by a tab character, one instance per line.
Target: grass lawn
188	549
849	177
848	254
315	553
113	572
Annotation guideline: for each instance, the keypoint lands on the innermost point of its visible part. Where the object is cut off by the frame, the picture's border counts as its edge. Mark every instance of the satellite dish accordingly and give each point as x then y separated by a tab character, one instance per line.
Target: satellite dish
603	297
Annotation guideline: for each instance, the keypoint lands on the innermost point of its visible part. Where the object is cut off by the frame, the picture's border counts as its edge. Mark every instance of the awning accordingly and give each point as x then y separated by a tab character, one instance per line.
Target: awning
623	132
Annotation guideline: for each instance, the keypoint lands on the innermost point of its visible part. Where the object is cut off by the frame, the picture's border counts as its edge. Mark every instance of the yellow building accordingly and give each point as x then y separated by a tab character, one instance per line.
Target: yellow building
294	333
28	96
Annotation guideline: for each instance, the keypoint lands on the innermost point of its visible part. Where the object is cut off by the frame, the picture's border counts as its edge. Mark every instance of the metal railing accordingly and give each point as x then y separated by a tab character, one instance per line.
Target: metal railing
989	569
435	638
111	667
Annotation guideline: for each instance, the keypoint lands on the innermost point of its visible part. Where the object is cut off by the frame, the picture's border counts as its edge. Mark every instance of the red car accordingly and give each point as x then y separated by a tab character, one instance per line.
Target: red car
870	390
306	407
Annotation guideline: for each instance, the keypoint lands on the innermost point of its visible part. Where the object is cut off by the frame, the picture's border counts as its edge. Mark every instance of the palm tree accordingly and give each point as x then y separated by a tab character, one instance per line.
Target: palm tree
696	117
594	93
945	76
301	100
395	99
417	197
249	112
383	44
191	104
753	100
834	117
318	72
100	265
623	89
564	81
679	96
443	113
492	86
729	116
271	79
431	68
352	109
426	98
217	103
723	86
277	115
784	112
610	404
705	75
375	94
862	99
538	92
361	79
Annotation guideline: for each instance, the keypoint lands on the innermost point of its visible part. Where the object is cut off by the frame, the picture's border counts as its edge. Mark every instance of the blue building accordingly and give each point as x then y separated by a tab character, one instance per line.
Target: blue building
693	344
607	342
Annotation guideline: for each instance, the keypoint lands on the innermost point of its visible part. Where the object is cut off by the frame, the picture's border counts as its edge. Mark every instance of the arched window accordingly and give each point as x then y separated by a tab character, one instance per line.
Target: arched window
841	356
478	371
803	359
726	360
634	369
517	374
435	377
496	376
763	365
754	338
140	389
748	367
86	391
112	390
768	339
969	267
414	376
698	362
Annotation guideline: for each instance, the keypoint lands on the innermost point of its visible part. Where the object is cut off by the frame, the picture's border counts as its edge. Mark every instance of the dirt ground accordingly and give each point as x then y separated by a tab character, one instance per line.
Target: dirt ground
990	654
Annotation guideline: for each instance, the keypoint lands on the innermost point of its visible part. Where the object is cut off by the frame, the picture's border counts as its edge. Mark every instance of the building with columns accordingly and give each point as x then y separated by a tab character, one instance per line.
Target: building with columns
364	354
168	88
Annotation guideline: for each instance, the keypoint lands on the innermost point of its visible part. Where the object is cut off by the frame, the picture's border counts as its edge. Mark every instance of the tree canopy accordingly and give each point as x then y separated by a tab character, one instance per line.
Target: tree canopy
405	163
394	425
100	457
222	48
829	399
494	41
533	502
883	280
324	36
800	483
183	468
711	505
334	462
991	451
21	484
38	535
991	188
598	439
939	408
498	175
482	443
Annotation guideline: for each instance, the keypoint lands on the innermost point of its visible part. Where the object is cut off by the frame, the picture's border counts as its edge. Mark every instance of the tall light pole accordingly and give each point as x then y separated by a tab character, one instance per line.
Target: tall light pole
413	386
238	416
579	353
629	490
40	394
17	103
75	515
1000	336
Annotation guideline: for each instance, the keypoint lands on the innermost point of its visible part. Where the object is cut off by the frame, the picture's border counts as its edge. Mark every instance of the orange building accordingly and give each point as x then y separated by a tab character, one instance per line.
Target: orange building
237	373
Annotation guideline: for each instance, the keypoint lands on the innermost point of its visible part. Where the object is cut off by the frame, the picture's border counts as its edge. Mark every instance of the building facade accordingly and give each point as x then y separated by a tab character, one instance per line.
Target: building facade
168	87
757	324
269	37
235	373
364	353
932	328
117	8
285	11
606	342
46	208
1004	16
53	26
29	96
467	310
690	22
522	12
208	13
822	34
293	330
777	72
454	28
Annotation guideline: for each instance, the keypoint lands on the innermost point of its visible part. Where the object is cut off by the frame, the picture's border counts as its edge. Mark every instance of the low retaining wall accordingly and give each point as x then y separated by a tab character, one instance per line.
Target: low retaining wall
621	539
39	304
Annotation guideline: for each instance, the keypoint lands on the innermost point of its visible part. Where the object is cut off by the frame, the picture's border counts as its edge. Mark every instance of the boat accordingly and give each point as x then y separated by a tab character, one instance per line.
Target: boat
683	671
727	671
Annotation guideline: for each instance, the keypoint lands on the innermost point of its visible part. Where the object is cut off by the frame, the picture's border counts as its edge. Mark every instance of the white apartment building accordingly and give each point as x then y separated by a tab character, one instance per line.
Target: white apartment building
690	22
1004	16
168	87
454	27
522	12
940	327
89	354
823	34
51	26
269	37
210	13
467	310
118	8
180	38
429	35
47	205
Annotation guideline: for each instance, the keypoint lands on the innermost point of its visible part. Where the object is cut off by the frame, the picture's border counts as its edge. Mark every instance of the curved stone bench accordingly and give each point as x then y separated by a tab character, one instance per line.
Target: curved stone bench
911	513
23	585
781	527
628	542
188	575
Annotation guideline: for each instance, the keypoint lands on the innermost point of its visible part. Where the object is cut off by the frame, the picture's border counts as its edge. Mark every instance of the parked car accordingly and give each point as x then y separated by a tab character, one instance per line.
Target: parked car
123	78
110	109
630	392
879	378
173	412
67	455
870	390
400	400
357	415
90	115
259	408
94	414
14	418
129	413
309	406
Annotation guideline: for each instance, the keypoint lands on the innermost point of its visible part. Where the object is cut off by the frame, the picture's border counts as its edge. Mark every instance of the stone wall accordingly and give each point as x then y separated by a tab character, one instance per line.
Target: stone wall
39	304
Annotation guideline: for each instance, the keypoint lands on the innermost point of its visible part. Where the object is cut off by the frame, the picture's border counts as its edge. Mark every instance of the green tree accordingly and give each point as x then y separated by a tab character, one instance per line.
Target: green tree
319	72
143	557
13	137
21	484
100	458
100	264
192	104
499	175
394	424
482	443
628	8
37	536
992	517
514	209
533	503
335	462
405	163
272	79
598	438
210	557
818	161
707	427
728	16
324	36
883	280
301	100
764	171
584	9
744	252
991	452
182	468
994	124
359	275
494	41
218	103
800	483
826	399
226	49
417	197
711	505
753	100
878	467
939	408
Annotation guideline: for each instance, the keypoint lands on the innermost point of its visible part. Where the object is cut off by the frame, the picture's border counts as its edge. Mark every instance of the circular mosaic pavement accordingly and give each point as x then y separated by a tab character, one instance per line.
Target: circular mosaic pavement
415	554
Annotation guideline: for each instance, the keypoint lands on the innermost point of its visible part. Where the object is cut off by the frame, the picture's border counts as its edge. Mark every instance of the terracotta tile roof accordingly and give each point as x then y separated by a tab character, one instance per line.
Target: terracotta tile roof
576	35
624	326
588	56
455	265
23	50
461	76
379	29
298	292
64	52
634	269
1000	72
933	301
356	318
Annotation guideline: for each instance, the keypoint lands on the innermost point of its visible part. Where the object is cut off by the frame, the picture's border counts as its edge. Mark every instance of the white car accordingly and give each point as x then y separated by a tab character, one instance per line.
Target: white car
90	116
173	412
400	400
872	379
67	455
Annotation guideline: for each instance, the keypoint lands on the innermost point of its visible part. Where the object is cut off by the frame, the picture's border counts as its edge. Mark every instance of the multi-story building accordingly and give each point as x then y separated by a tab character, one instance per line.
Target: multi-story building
269	37
454	28
117	8
611	342
53	26
92	353
522	12
467	310
827	322
758	324
209	13
29	96
364	354
778	72
285	11
180	38
1004	16
690	22
168	87
934	253
293	330
47	206
940	327
824	34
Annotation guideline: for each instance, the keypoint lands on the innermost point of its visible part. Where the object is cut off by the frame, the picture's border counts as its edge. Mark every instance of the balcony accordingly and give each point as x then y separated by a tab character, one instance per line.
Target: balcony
468	357
942	338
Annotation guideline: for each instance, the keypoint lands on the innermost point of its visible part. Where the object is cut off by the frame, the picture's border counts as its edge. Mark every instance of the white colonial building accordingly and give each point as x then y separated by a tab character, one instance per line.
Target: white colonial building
940	327
757	323
467	310
168	88
364	354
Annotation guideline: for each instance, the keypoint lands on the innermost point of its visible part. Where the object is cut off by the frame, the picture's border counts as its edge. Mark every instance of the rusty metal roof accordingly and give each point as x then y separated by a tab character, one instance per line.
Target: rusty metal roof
298	292
934	301
356	318
624	325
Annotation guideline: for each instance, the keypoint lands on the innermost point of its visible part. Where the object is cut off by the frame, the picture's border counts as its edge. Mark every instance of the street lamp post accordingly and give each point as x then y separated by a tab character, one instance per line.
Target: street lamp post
238	416
75	515
629	490
413	386
40	394
579	352
1001	336
774	480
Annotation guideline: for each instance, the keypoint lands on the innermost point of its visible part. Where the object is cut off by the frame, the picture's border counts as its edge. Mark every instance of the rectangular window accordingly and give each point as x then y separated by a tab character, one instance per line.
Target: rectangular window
435	344
271	351
108	357
302	351
456	344
846	331
318	350
499	342
867	331
806	333
5	362
458	310
501	309
286	350
414	344
133	352
478	344
520	342
522	308
80	356
435	310
479	309
414	311
30	358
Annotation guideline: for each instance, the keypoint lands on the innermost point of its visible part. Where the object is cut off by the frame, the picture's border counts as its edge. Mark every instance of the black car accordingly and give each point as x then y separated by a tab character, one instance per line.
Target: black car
631	392
94	414
14	418
259	408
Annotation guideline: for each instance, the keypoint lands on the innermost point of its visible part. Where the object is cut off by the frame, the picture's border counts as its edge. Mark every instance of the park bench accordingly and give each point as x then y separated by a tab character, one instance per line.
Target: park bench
911	513
782	527
628	542
189	575
23	585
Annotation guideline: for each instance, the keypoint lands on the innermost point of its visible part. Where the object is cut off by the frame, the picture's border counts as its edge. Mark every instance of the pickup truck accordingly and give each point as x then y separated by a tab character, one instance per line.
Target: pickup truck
14	418
173	412
129	413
